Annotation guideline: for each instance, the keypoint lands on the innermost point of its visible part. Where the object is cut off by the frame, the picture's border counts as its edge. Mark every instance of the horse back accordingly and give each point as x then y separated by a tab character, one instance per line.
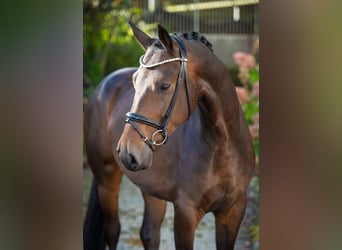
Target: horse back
115	91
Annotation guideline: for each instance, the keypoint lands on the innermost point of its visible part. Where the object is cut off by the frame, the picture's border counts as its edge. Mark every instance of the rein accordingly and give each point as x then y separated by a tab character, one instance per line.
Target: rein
161	127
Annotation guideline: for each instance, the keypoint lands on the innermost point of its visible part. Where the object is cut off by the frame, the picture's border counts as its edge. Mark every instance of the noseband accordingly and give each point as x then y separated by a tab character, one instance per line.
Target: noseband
161	127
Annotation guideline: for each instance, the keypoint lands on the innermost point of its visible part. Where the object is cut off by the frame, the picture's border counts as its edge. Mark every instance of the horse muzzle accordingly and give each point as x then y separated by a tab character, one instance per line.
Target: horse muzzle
135	160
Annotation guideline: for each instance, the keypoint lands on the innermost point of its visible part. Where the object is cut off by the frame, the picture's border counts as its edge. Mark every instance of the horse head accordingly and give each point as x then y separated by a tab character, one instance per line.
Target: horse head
164	99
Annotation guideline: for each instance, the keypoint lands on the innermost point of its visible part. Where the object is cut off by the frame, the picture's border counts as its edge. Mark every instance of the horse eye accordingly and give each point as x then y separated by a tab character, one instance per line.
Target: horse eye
164	86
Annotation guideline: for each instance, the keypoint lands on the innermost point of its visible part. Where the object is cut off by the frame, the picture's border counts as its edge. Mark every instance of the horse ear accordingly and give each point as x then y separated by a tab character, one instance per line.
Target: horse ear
142	37
165	38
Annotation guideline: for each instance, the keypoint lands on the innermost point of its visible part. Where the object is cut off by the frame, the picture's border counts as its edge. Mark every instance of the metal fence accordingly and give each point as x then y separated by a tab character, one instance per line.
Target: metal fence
205	16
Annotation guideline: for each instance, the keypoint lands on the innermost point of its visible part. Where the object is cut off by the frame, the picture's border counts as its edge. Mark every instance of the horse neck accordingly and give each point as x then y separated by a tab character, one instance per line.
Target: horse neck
219	106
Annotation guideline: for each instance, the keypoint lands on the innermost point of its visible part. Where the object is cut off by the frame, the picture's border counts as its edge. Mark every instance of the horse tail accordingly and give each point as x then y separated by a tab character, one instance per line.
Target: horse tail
93	228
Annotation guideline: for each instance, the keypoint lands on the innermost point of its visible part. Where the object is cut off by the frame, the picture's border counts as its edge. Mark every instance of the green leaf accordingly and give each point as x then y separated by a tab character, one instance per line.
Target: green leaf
251	108
254	75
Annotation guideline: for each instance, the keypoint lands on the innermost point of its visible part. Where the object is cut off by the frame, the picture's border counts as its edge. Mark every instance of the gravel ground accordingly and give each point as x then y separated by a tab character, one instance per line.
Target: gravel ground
131	211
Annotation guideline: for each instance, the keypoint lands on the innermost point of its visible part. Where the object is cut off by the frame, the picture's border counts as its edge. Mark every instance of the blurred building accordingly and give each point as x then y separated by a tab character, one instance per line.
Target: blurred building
230	25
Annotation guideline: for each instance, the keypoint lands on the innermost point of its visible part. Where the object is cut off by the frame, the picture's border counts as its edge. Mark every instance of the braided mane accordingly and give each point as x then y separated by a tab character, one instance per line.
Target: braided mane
193	35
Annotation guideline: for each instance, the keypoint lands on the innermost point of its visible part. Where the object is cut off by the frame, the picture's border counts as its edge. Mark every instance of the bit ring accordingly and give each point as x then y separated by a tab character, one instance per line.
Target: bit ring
164	135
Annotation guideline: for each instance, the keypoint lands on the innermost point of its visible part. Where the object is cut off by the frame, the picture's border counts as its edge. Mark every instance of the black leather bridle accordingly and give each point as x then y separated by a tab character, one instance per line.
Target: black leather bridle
161	127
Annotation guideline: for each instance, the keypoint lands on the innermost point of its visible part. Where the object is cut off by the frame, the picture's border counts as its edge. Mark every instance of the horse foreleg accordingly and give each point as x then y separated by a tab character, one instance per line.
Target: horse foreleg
185	224
109	188
228	220
153	217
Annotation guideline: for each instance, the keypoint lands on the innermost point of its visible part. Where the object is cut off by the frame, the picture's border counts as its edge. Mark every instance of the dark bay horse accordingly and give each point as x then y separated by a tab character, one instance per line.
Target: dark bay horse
175	127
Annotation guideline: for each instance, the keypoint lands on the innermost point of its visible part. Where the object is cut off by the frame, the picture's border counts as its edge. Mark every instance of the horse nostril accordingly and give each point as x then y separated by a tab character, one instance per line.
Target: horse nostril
131	159
131	162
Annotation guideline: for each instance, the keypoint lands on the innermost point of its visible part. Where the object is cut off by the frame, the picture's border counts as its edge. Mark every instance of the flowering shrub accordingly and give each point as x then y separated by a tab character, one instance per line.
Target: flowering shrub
248	94
245	62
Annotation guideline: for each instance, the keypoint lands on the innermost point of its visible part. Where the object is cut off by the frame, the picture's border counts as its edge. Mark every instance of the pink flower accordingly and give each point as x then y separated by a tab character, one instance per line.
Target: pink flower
256	118
243	75
242	94
243	59
255	90
254	130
